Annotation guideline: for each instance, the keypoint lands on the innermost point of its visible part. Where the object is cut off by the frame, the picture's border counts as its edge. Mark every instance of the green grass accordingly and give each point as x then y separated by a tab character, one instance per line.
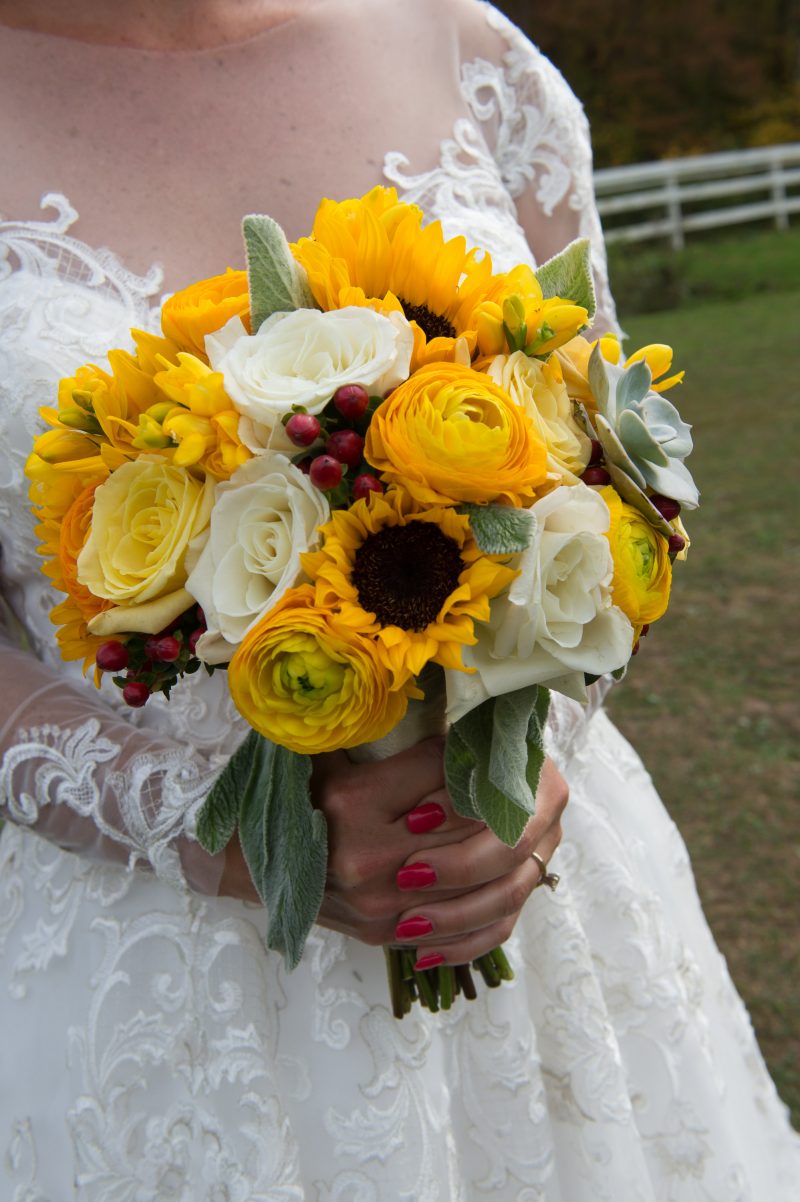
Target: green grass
711	700
651	279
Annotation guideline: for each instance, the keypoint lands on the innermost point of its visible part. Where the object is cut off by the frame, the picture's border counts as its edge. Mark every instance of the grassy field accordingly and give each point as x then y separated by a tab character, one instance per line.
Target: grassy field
712	700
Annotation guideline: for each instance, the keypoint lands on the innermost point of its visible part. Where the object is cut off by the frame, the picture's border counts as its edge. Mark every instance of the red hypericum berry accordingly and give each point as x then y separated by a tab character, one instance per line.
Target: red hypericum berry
596	475
305	464
201	617
163	650
346	446
325	472
135	693
112	657
676	544
351	400
303	429
364	484
668	508
194	637
597	452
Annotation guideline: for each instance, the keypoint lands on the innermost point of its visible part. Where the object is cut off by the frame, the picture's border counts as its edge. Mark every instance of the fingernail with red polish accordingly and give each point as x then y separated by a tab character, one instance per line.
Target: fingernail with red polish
413	928
431	961
425	818
416	876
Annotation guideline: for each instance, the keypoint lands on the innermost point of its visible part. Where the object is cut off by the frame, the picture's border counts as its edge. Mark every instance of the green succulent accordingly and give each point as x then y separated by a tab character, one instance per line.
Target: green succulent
644	438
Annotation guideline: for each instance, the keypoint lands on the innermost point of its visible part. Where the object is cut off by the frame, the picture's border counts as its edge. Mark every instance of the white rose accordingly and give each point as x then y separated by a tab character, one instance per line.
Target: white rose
539	389
263	518
301	358
557	619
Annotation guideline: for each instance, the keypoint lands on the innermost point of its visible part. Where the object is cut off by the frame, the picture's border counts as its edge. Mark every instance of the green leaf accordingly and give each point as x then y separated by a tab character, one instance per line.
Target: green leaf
284	840
493	760
499	529
217	819
569	275
278	284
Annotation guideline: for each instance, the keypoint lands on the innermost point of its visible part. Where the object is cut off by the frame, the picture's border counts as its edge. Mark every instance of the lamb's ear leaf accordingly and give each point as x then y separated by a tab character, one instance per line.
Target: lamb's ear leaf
278	284
569	275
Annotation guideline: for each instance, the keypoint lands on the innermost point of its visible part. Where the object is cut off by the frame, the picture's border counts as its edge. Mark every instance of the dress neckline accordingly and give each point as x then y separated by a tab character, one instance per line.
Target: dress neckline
256	39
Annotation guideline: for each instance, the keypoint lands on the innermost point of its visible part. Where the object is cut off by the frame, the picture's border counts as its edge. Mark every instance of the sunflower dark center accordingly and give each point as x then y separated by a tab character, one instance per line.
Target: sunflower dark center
433	325
404	574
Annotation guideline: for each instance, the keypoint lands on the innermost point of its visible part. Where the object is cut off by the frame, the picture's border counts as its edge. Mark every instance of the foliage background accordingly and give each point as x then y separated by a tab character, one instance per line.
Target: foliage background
688	77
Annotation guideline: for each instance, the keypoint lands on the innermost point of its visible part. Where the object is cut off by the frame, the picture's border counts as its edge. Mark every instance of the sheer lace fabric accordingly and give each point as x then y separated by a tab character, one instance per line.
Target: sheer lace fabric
162	1054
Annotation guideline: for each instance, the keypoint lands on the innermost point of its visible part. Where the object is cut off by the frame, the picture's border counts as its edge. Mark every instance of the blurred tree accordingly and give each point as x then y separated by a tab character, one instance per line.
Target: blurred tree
689	77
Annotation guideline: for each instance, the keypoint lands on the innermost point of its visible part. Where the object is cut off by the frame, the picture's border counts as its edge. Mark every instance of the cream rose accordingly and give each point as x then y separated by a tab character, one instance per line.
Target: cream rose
539	389
143	519
301	358
557	619
264	517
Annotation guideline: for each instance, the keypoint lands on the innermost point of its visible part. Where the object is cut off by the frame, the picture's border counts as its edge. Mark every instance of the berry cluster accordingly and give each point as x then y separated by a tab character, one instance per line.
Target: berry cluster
153	663
340	430
596	474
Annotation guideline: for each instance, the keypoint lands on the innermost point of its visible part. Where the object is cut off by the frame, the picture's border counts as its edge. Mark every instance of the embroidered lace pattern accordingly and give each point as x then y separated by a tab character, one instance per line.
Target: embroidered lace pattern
619	1065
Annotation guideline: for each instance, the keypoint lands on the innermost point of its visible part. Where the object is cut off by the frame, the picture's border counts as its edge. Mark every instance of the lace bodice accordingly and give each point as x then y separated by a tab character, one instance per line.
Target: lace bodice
64	303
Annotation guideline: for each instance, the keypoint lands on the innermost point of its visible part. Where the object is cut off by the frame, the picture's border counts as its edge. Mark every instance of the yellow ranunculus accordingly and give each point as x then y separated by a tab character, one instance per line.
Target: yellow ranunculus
307	680
204	307
143	519
642	567
449	435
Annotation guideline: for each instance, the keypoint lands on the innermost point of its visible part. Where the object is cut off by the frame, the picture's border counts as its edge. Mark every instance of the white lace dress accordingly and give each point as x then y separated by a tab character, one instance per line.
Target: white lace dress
152	1050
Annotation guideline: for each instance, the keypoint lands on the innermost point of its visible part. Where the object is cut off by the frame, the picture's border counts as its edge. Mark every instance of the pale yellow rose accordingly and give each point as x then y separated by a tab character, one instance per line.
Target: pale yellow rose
143	519
539	389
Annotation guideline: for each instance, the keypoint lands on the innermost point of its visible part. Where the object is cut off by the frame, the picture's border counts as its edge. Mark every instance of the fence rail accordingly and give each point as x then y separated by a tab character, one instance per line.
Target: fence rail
670	198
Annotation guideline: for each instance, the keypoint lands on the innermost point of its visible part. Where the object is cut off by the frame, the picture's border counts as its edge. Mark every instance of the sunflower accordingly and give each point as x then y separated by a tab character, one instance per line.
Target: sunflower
410	577
62	506
375	251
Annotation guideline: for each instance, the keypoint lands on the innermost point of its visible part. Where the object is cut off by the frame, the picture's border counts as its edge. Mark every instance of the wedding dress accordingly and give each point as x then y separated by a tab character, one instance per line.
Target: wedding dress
153	1050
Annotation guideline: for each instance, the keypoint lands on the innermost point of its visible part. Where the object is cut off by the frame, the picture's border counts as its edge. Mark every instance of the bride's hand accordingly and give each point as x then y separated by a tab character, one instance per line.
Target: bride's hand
399	854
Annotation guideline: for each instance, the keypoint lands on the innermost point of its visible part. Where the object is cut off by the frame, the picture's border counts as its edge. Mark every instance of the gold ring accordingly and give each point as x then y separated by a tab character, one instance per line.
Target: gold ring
550	879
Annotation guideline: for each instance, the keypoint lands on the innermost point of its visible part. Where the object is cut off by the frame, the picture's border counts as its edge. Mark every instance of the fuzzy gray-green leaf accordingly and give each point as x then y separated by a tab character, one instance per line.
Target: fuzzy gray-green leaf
493	768
284	840
219	814
569	275
278	284
499	529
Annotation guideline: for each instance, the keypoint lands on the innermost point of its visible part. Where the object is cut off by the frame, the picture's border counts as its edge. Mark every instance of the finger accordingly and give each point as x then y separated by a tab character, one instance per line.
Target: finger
467	948
436	813
469	912
473	861
393	786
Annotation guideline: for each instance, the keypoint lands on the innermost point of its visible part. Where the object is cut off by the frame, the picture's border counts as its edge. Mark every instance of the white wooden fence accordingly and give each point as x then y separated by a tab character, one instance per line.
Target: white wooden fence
670	198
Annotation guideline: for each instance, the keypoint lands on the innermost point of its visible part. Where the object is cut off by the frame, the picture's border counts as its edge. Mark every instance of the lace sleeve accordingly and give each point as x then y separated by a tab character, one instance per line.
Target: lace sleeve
539	137
82	777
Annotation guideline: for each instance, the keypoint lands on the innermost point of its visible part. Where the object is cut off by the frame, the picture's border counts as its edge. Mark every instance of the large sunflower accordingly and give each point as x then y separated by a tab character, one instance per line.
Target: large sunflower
411	577
375	251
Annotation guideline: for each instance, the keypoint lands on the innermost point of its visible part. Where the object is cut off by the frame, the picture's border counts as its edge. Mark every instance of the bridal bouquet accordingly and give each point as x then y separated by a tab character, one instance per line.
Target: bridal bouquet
367	455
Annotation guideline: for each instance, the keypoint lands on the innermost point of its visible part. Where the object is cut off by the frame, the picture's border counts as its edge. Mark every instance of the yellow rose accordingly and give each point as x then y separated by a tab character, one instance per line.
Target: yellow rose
449	435
143	519
307	680
642	567
203	308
